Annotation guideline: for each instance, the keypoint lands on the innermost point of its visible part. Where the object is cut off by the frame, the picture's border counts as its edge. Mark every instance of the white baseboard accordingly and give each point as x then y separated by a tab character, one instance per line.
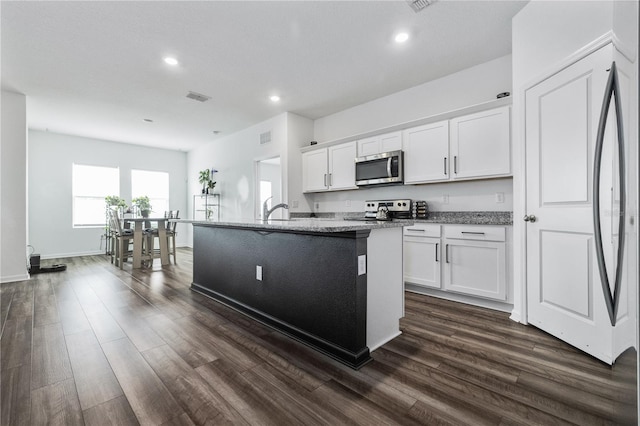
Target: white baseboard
14	278
77	254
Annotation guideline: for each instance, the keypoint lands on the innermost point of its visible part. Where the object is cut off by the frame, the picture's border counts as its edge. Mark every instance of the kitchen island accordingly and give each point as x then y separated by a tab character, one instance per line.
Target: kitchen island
334	285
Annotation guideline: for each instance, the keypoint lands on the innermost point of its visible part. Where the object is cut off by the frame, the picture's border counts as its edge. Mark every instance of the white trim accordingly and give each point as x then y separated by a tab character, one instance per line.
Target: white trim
77	254
14	278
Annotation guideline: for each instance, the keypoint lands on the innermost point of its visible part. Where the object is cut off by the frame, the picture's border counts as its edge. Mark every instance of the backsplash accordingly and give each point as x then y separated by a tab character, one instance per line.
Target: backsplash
463	196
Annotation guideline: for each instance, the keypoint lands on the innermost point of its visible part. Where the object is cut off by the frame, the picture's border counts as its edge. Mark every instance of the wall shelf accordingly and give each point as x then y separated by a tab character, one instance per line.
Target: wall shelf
206	207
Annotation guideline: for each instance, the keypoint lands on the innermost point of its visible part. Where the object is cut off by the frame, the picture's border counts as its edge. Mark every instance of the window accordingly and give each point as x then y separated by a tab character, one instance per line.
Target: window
90	184
154	185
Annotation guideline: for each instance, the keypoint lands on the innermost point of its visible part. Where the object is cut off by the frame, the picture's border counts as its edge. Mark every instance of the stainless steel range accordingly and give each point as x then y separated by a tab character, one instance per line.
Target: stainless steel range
387	209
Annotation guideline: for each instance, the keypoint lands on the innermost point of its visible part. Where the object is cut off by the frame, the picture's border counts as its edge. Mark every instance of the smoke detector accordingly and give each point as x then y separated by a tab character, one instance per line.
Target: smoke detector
198	97
419	5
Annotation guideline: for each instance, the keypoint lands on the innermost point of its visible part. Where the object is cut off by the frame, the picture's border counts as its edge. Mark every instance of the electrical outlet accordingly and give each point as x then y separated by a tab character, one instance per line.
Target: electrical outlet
317	206
347	203
258	272
445	198
294	204
499	197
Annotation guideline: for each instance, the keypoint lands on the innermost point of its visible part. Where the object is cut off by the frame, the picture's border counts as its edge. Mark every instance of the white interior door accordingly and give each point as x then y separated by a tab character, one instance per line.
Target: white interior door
563	286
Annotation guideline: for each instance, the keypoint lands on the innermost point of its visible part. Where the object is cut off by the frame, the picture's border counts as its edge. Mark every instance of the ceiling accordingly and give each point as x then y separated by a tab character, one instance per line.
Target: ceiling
95	69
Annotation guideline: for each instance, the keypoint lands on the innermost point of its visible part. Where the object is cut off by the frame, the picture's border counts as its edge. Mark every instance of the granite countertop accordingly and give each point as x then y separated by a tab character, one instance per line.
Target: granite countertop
305	224
461	218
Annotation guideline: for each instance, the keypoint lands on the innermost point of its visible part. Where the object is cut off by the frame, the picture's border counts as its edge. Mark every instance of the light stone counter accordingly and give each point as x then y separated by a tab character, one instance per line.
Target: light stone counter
306	224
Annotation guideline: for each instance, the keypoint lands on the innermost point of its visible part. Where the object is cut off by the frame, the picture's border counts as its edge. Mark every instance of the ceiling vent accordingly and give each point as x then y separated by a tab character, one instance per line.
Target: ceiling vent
265	137
198	97
419	5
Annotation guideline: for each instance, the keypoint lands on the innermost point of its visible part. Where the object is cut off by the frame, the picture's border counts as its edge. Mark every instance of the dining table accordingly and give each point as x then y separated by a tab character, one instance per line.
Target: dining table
139	235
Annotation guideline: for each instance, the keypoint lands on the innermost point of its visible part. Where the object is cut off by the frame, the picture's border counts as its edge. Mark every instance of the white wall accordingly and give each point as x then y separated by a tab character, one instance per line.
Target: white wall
50	160
234	157
13	188
472	86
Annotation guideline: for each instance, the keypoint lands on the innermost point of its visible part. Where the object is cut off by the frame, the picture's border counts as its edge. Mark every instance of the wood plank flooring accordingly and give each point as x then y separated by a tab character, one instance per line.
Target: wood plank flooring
96	345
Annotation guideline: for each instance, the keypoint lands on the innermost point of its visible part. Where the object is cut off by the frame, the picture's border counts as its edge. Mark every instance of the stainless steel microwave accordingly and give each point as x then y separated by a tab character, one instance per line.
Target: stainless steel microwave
384	168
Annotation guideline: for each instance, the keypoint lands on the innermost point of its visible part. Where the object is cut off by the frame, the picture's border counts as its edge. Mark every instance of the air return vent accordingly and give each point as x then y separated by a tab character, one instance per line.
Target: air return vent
419	5
265	137
198	97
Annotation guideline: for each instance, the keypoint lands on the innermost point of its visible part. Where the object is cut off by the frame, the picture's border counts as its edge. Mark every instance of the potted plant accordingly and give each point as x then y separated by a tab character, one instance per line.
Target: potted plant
115	201
206	179
143	204
203	178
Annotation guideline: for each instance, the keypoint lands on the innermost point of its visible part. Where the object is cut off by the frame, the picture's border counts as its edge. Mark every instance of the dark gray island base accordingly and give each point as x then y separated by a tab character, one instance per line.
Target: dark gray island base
313	284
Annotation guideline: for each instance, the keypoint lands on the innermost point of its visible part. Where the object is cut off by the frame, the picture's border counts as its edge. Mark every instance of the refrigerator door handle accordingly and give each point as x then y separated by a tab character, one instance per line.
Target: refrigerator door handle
611	299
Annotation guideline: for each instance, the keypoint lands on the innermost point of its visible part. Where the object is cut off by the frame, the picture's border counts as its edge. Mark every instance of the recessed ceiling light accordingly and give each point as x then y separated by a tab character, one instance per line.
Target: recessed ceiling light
170	61
401	37
216	132
275	98
148	120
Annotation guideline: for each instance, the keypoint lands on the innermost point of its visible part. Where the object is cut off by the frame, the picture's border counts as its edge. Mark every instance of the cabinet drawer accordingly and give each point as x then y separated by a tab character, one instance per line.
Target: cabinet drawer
481	233
422	230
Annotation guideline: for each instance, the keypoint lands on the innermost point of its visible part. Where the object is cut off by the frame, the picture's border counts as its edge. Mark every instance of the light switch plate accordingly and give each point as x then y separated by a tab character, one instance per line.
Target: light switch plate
362	264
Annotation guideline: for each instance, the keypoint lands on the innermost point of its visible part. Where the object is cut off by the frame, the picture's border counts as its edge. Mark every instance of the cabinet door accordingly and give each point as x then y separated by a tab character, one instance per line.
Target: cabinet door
422	261
314	170
369	146
391	142
342	166
426	152
481	144
380	143
476	268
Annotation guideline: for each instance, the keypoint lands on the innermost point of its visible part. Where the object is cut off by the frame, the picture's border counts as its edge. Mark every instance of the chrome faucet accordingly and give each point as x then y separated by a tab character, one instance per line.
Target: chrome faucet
266	212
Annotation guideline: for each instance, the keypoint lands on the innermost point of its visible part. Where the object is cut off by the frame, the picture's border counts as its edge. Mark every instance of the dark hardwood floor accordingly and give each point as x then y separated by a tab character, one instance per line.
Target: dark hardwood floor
97	345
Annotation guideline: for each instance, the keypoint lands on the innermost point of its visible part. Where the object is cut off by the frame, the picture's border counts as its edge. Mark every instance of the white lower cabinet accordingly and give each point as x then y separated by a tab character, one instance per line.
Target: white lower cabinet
475	261
465	259
422	255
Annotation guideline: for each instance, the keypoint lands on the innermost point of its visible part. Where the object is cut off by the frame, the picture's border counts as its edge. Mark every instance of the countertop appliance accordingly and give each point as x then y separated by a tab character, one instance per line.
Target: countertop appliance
385	168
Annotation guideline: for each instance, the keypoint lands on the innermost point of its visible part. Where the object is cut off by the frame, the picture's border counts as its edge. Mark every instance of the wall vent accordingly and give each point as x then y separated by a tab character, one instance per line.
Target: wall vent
198	97
265	137
419	5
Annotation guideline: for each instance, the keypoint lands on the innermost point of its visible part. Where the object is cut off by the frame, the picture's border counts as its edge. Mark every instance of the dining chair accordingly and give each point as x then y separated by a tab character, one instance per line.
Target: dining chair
171	232
123	239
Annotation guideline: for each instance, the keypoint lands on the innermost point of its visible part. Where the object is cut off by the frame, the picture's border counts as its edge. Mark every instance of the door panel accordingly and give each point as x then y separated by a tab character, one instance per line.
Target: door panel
565	280
564	143
563	285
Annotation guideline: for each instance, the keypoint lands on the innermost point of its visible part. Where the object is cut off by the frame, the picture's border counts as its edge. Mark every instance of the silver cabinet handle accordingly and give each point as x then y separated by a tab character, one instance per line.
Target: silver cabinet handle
446	253
445	166
455	164
611	300
415	230
474	233
529	218
330	179
325	179
437	244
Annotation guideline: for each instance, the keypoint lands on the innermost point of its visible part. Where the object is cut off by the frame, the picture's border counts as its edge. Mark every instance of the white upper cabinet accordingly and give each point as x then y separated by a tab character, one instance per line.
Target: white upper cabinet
342	166
480	144
467	147
315	170
380	143
426	153
331	168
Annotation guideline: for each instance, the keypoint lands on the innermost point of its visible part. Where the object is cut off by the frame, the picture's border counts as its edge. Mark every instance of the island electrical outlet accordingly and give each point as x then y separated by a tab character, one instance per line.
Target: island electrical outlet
258	272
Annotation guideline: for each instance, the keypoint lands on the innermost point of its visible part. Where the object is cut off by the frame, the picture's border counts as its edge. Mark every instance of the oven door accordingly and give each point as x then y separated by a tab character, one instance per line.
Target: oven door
382	168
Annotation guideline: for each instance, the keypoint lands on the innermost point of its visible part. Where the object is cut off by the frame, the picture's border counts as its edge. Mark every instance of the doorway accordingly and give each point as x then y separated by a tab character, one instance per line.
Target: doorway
268	186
